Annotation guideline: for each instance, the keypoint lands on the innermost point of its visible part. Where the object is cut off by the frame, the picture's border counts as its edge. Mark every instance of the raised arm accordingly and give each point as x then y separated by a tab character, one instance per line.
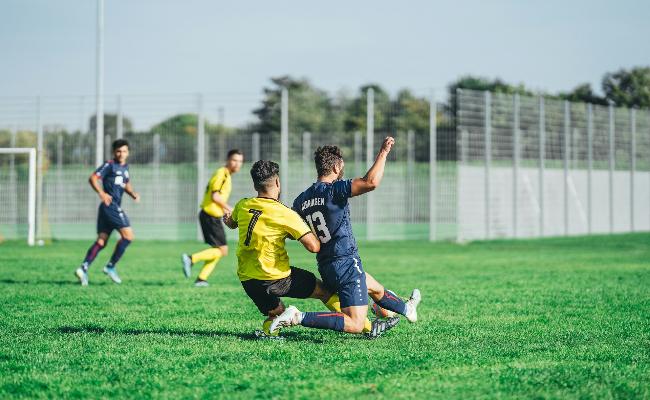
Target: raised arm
311	242
103	196
373	177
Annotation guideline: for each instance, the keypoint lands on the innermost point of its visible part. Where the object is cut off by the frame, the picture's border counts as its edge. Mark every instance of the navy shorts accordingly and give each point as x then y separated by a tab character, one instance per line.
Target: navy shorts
111	217
345	276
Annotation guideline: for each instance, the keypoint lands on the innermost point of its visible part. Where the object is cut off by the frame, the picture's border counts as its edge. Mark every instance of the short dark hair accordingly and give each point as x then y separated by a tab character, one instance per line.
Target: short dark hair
233	152
262	172
119	143
326	158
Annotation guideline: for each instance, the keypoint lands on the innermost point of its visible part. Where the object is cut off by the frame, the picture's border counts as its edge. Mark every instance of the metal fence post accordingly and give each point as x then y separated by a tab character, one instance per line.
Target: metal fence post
358	153
370	132
590	164
433	161
542	156
632	164
488	159
409	199
200	157
284	145
107	147
255	147
566	150
39	168
307	170
611	168
221	140
515	163
120	118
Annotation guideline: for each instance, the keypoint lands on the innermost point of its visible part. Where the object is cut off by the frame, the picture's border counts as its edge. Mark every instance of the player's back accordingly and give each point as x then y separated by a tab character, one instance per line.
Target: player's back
264	224
324	206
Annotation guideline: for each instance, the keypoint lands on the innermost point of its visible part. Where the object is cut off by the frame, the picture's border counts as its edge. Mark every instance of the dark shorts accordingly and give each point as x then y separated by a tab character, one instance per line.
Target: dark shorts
346	277
266	294
110	218
212	228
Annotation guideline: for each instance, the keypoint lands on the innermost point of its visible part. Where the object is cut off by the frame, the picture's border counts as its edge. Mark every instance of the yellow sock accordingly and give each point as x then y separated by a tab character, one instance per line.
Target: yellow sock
207	269
206	255
334	304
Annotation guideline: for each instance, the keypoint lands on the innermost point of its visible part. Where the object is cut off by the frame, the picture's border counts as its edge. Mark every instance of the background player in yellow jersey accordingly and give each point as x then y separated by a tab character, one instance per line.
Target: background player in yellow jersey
213	208
263	263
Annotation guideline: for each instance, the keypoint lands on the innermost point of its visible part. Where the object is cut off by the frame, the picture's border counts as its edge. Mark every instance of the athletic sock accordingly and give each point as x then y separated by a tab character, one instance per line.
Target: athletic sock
91	254
392	302
323	320
207	269
334	304
206	255
120	248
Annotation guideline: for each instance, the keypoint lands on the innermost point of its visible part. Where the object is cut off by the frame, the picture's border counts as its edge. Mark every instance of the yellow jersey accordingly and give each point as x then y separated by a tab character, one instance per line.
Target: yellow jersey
220	182
264	224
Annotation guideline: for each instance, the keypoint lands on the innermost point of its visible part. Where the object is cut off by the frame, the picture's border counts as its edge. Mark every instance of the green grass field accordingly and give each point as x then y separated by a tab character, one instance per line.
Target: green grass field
554	318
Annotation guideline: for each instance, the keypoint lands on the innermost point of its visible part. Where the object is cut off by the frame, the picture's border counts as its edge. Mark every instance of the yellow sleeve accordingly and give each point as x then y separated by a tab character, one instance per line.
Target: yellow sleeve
294	225
219	180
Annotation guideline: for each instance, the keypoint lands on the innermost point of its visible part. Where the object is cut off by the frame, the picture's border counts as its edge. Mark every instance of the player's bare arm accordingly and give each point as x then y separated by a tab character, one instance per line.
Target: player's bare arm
128	188
216	197
373	177
103	196
311	242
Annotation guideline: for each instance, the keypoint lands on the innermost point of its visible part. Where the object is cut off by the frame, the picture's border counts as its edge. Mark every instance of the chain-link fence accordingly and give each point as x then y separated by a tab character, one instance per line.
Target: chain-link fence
535	166
488	165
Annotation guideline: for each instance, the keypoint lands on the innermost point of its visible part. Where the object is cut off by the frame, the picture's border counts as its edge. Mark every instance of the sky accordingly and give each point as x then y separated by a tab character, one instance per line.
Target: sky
48	47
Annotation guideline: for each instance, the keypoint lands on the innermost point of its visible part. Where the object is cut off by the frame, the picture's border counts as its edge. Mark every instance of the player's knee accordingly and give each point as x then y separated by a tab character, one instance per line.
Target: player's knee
128	236
224	251
101	242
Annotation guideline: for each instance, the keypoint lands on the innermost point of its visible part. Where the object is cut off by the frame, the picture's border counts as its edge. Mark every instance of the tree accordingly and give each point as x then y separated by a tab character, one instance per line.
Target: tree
110	124
628	88
583	93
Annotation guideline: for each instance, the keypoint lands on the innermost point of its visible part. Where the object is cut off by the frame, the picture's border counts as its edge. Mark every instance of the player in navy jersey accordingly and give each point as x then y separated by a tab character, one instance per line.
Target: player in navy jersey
115	180
324	206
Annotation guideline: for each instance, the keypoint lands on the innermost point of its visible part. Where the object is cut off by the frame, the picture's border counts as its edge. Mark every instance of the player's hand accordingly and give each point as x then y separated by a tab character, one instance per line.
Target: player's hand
136	197
106	198
387	144
227	209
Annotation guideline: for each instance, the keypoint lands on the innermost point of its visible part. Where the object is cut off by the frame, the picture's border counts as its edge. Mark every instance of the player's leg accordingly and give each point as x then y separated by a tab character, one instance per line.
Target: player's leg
215	236
389	300
211	263
103	232
268	304
126	238
333	302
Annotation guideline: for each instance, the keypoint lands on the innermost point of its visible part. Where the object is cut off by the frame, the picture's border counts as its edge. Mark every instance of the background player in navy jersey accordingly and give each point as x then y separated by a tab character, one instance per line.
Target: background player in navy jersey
114	175
324	205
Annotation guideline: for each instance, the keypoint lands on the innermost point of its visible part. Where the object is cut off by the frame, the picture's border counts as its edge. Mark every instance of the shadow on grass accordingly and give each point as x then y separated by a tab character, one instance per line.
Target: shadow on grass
98	330
43	282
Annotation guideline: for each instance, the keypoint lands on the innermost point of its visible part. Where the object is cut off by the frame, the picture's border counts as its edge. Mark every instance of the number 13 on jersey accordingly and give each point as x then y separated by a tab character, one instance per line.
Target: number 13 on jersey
316	222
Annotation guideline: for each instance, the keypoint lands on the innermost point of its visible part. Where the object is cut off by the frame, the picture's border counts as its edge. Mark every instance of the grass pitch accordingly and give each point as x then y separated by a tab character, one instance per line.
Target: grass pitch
553	318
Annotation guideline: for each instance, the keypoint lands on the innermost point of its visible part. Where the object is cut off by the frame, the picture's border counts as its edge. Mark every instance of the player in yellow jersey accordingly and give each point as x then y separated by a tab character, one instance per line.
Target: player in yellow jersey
263	264
213	208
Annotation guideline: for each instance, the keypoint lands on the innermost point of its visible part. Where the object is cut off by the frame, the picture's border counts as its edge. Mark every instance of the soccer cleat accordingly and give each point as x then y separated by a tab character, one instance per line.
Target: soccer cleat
112	273
412	306
187	264
82	275
392	322
290	317
378	328
261	335
201	284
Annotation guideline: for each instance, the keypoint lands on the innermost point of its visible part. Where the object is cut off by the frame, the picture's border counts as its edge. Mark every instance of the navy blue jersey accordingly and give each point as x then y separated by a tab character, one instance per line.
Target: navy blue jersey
114	178
324	206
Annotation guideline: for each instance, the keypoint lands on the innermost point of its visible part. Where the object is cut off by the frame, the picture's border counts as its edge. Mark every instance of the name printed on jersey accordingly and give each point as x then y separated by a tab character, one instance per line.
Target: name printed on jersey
318	201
